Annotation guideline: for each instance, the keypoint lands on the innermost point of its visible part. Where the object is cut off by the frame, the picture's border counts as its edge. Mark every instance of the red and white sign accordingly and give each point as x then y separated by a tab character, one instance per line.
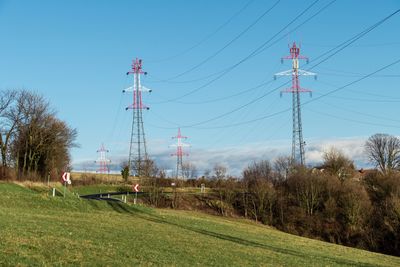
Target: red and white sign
136	187
66	177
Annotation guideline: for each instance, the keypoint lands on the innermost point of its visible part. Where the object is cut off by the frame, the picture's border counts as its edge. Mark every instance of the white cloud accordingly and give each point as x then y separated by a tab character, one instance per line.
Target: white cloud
236	158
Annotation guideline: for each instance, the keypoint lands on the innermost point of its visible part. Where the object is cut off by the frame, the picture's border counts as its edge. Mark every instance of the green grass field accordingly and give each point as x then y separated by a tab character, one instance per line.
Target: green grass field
37	229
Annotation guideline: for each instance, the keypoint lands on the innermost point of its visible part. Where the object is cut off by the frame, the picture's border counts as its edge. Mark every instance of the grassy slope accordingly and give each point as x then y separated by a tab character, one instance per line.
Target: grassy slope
39	230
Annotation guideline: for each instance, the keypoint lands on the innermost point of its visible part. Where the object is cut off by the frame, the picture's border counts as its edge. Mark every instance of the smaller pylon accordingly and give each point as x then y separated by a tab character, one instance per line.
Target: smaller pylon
179	153
102	160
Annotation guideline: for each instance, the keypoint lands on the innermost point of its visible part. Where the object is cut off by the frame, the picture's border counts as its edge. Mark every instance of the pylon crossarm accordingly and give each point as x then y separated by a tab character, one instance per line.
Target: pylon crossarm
137	107
184	145
285	73
305	73
294	90
133	88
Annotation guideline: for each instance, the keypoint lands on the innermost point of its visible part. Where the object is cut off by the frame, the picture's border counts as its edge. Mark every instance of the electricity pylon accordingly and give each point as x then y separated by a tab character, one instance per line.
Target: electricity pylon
137	148
298	153
102	160
179	153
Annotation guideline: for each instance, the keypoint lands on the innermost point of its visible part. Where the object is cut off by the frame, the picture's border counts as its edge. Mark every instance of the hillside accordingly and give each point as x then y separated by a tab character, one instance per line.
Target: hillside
36	229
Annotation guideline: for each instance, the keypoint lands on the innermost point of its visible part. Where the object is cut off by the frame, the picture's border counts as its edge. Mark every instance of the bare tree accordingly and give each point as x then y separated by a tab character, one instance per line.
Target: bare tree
260	194
283	166
189	170
258	170
10	115
207	173
41	142
336	163
383	151
219	171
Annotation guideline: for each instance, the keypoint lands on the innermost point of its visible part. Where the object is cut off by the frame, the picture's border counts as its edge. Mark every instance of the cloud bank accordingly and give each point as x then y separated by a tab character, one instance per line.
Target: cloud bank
236	158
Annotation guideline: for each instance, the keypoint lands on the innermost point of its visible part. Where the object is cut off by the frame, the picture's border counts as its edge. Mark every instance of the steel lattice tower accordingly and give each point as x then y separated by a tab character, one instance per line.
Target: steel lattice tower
179	153
298	153
102	160
137	148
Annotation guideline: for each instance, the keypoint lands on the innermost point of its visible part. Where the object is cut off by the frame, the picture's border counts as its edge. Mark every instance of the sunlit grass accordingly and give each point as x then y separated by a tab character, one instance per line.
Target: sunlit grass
37	229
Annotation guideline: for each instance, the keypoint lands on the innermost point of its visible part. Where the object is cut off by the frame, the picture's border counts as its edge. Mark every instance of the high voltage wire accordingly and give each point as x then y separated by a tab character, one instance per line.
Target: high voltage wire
360	113
339	48
350	41
229	43
360	45
254	87
353	120
273	43
252	54
285	110
223	98
207	37
345	44
362	92
307	102
368	100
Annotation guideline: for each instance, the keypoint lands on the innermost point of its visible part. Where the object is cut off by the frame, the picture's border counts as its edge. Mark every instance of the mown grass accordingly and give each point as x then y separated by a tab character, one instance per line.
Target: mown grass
37	229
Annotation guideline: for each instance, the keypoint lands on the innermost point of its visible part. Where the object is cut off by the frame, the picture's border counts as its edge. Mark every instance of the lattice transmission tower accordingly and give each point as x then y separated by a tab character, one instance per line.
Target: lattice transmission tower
298	152
137	148
179	153
102	160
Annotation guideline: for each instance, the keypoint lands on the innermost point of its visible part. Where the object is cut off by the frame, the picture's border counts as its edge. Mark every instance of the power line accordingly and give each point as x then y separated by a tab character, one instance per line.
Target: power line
353	120
224	71
305	103
360	113
344	44
206	38
229	43
350	41
252	54
360	92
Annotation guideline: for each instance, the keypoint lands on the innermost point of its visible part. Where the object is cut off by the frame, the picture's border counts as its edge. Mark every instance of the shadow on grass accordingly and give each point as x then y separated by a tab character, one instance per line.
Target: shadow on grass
120	207
147	215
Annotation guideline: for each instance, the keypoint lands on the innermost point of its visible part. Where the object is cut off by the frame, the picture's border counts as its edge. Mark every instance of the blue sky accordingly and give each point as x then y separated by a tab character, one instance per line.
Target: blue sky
76	53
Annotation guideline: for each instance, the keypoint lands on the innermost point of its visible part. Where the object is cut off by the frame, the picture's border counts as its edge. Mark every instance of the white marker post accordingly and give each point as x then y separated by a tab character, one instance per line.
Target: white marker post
66	178
136	189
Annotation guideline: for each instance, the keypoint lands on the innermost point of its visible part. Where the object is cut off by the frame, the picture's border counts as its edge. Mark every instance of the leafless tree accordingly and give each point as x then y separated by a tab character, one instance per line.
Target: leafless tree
283	167
41	141
260	194
8	123
207	173
383	151
337	164
258	170
219	171
189	170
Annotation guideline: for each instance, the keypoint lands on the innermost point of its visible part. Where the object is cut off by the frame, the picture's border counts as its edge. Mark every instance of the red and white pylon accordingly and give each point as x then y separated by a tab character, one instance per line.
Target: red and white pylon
179	152
102	160
137	149
298	152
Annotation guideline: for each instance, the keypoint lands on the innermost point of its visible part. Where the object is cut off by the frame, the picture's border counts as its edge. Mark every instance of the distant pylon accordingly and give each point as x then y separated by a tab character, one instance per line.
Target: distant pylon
137	148
298	153
102	160
179	153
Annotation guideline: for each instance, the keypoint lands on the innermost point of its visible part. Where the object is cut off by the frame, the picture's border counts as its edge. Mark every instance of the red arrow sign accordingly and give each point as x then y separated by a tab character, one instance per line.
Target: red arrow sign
136	188
66	177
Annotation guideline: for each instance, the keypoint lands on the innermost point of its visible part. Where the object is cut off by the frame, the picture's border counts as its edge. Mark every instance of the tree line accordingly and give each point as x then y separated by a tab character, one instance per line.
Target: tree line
34	143
333	202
